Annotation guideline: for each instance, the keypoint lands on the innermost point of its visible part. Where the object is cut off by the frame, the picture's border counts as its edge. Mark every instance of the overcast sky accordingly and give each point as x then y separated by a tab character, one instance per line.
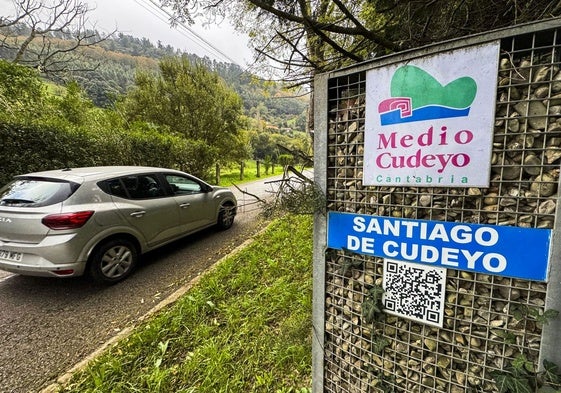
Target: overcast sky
140	18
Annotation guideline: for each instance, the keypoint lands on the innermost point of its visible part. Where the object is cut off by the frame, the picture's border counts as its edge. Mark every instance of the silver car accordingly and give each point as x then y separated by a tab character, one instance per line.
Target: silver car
99	220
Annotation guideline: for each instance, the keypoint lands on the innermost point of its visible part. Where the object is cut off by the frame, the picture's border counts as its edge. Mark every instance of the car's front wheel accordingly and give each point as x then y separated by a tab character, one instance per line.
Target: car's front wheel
113	261
226	216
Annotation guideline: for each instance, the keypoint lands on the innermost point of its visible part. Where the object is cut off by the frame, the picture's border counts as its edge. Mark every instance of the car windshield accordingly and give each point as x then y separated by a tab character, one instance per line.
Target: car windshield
34	192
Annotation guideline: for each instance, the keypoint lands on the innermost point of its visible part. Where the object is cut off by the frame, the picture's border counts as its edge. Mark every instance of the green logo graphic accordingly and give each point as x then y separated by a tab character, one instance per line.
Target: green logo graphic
416	95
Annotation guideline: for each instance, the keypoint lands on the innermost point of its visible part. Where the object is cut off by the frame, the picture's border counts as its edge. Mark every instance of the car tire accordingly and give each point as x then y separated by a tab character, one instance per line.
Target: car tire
226	216
113	261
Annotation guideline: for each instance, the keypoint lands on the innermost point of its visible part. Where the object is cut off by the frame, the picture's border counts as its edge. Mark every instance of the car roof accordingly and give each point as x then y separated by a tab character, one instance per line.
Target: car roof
95	173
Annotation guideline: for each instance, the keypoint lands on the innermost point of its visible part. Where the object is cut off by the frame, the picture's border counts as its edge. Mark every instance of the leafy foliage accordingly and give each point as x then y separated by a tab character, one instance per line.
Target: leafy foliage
379	343
54	131
522	375
108	70
21	92
349	264
551	372
193	102
522	311
512	381
372	305
306	37
204	117
51	147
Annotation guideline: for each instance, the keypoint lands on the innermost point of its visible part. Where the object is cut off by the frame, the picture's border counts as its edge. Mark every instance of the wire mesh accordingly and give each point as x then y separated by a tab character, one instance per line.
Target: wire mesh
489	321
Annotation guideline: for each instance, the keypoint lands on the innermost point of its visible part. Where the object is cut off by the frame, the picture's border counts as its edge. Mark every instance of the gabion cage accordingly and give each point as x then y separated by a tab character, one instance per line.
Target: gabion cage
489	320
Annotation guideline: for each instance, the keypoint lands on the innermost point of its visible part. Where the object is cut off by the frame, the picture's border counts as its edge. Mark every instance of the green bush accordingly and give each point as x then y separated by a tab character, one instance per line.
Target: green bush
286	159
30	148
21	93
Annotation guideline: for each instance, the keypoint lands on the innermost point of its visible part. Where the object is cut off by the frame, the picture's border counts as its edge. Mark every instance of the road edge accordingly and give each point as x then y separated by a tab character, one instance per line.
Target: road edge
64	378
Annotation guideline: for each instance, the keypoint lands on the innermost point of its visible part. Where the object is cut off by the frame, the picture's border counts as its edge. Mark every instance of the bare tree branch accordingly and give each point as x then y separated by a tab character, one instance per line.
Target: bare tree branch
306	37
48	34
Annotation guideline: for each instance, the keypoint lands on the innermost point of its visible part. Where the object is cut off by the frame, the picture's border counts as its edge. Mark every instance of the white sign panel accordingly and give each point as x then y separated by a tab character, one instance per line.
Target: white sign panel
429	122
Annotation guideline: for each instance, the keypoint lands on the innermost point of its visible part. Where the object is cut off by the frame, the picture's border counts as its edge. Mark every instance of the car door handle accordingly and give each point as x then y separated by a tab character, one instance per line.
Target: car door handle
184	205
138	213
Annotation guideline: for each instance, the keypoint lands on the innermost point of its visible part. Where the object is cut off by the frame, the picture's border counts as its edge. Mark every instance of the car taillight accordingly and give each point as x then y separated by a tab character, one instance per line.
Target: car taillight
67	220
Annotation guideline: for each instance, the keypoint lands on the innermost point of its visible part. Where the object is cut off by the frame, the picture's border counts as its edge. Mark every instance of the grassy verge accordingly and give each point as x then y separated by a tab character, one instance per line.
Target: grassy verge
245	327
229	176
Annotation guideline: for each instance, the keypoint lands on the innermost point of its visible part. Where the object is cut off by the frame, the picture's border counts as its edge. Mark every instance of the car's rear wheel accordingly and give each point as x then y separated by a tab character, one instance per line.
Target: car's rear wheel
113	261
226	216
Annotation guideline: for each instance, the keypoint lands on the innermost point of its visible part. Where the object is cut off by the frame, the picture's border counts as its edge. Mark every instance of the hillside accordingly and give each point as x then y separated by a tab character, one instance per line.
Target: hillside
112	65
122	55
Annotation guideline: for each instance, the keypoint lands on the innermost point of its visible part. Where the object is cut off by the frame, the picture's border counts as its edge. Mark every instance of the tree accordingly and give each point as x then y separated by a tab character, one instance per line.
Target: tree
304	37
264	146
191	101
298	34
21	93
47	35
73	105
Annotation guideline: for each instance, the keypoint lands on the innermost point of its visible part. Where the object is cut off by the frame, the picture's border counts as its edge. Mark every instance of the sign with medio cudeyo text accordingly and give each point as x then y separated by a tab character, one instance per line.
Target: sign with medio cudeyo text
490	249
430	121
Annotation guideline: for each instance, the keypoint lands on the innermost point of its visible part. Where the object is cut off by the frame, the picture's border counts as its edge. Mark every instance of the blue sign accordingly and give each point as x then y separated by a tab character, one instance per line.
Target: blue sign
490	249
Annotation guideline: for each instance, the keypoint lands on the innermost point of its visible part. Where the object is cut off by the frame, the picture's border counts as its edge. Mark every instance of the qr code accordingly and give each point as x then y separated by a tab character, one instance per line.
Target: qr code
414	291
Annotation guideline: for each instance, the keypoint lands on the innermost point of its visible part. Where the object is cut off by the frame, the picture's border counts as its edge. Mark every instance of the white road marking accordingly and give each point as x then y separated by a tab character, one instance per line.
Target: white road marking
5	275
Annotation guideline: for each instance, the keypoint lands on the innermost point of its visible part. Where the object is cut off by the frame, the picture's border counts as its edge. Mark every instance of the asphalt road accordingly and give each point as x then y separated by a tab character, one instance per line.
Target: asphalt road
49	325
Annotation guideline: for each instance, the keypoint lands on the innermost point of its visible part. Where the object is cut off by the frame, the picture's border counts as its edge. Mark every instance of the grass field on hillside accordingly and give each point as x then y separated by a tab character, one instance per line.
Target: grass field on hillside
229	176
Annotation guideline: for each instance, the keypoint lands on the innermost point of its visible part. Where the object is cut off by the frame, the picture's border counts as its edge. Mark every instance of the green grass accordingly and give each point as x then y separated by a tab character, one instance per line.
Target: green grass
229	176
245	327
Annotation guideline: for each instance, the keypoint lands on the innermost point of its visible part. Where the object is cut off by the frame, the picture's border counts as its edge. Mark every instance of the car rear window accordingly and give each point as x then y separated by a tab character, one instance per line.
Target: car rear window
36	192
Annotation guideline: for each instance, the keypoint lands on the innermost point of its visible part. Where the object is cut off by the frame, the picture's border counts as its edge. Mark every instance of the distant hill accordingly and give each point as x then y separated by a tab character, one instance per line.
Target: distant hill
115	61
